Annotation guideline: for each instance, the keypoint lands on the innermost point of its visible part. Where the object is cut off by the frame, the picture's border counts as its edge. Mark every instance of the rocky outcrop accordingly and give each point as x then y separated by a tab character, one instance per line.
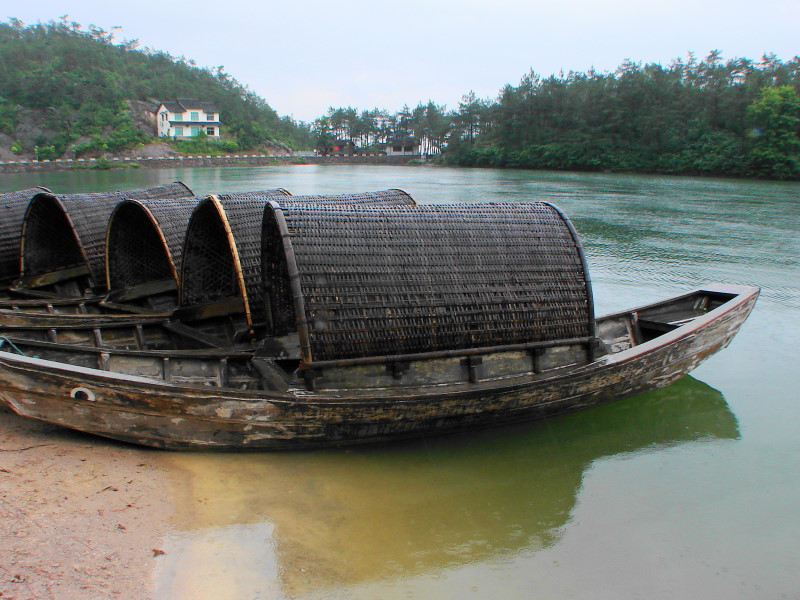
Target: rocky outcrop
154	150
143	114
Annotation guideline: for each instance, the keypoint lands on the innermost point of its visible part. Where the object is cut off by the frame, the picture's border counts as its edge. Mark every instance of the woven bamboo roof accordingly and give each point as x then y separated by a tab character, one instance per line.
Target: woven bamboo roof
145	239
12	210
358	281
68	230
222	252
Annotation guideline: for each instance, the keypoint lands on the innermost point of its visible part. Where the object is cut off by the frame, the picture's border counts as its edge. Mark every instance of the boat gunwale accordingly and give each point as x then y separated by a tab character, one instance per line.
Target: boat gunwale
40	302
744	294
741	295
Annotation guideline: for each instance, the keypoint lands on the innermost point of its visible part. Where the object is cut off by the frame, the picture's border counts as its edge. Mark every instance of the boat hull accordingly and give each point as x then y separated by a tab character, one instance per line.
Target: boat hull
158	414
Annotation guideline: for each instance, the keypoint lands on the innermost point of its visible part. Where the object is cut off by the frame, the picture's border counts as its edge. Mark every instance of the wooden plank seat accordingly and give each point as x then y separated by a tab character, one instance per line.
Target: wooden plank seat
142	290
217	324
52	277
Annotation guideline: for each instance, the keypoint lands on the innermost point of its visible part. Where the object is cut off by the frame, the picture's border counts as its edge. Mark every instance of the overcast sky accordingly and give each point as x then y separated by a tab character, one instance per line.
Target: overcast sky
305	56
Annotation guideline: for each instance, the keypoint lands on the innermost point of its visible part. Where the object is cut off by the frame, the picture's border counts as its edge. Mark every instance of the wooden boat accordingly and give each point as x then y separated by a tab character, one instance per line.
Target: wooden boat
209	399
379	323
58	242
63	238
143	256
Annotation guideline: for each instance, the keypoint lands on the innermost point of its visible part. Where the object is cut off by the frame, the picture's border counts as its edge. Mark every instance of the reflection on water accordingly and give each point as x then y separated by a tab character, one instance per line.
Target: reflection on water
303	524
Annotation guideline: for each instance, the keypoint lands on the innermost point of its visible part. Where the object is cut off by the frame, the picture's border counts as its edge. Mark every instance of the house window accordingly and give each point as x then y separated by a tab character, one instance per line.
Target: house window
210	117
178	131
210	131
194	116
177	117
194	131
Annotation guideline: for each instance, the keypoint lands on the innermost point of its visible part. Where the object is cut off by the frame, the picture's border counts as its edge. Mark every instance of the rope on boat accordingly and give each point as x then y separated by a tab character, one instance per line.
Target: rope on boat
5	340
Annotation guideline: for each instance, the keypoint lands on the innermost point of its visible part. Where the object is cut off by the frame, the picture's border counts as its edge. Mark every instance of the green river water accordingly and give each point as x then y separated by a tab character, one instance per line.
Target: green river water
691	491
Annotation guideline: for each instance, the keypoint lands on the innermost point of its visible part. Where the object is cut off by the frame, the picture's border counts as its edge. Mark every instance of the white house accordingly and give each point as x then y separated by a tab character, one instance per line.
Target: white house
187	117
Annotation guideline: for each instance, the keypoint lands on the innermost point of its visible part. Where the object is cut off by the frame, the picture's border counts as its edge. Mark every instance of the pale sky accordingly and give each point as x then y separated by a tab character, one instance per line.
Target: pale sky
305	56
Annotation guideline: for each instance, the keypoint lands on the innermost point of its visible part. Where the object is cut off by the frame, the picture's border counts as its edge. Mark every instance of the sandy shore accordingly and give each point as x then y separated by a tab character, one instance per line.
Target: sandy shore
80	517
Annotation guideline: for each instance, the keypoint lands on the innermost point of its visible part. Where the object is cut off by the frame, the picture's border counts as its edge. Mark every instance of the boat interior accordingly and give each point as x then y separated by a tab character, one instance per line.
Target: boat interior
149	350
624	330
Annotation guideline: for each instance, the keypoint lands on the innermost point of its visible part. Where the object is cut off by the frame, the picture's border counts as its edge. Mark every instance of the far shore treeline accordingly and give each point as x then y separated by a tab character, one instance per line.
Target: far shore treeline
707	117
66	90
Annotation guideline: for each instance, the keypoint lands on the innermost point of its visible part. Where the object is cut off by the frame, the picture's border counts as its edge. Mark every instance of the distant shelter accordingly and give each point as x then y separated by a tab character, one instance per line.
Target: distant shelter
408	146
343	147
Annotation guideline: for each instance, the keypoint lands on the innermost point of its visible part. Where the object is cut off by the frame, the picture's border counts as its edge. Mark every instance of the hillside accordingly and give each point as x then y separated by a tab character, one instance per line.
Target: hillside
66	91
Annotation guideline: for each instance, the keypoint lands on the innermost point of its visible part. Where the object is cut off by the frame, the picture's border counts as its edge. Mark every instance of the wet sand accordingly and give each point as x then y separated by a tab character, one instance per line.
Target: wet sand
80	517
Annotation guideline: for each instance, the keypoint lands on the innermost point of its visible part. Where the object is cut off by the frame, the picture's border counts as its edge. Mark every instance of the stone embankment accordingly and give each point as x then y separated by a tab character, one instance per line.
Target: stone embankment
175	162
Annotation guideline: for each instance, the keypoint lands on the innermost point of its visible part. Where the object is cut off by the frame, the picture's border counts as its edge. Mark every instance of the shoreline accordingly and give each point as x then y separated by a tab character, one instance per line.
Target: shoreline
235	160
80	517
259	160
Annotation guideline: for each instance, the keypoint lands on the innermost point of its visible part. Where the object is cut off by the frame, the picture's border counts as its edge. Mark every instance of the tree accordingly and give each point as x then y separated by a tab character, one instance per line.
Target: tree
775	121
430	125
688	117
323	135
471	118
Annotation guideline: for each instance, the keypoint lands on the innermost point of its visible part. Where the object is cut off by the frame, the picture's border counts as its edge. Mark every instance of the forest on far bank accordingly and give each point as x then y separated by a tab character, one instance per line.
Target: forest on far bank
712	116
68	91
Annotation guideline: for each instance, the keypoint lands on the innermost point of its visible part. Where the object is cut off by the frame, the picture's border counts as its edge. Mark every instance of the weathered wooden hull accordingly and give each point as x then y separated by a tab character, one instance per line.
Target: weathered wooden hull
163	415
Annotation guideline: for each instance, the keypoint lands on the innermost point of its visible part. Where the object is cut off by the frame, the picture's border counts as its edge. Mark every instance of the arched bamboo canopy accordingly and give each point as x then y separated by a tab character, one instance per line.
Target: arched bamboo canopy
12	210
264	195
222	252
144	245
63	236
357	281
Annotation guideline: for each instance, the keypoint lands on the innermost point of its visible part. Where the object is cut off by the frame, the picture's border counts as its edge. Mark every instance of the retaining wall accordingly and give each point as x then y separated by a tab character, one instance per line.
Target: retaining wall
177	162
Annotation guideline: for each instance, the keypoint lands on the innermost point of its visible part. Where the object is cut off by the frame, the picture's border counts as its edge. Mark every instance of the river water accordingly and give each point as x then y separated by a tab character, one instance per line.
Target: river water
691	491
